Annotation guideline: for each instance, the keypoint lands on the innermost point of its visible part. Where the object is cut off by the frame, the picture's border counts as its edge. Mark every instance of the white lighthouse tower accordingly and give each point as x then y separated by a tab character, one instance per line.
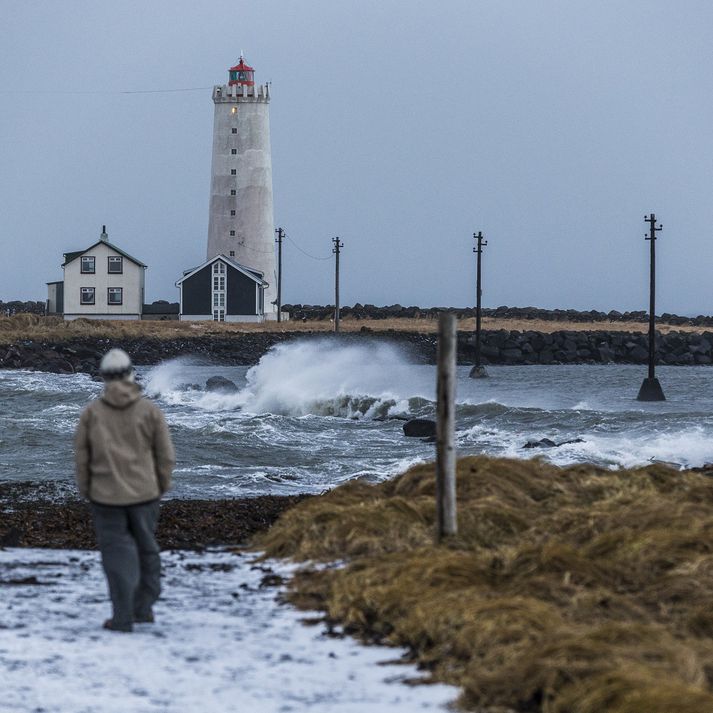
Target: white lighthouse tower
240	224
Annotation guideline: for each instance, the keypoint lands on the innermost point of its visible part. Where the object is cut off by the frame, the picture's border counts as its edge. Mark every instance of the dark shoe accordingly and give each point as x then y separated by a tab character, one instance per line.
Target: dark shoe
111	625
144	618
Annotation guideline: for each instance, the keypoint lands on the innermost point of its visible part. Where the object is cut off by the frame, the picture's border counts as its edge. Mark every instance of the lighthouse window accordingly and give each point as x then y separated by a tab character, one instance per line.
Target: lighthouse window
232	253
232	212
234	130
234	151
233	172
233	192
232	233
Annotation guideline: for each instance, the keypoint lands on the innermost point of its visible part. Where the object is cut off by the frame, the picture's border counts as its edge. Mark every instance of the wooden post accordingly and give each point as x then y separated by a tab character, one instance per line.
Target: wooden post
478	371
446	522
651	388
336	250
280	235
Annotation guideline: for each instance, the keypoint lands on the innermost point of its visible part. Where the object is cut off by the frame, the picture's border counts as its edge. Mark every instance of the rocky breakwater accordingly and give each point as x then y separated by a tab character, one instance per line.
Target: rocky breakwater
396	311
588	347
83	355
498	347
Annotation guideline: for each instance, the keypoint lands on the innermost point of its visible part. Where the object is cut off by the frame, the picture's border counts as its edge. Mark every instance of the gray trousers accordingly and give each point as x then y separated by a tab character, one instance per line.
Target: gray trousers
130	556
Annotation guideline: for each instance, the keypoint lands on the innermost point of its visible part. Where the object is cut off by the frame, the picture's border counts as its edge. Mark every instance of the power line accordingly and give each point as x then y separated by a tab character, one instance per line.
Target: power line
304	252
104	91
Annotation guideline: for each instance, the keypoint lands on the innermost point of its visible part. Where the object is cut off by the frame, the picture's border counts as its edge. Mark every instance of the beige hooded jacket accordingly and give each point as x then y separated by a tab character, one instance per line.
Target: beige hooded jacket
123	450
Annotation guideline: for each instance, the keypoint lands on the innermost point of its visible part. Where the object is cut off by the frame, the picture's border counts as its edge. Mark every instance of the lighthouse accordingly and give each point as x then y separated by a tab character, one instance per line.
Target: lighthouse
240	224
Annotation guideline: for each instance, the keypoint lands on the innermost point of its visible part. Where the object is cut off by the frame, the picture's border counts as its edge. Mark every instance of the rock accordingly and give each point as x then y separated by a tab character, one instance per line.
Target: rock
639	354
605	353
420	428
542	443
220	383
511	354
547	443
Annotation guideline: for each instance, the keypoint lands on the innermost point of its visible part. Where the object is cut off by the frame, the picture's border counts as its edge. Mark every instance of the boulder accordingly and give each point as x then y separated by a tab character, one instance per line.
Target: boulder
420	428
220	383
542	443
547	443
639	354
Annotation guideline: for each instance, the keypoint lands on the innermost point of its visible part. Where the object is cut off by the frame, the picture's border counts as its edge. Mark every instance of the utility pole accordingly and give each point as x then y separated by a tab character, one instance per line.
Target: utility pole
478	371
336	249
446	515
651	389
280	235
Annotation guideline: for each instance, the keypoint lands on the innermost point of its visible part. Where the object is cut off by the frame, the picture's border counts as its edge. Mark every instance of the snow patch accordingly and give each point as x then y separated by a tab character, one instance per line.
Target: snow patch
220	643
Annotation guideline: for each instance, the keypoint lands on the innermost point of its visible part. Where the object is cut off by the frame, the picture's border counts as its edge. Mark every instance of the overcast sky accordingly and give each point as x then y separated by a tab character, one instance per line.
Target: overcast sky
401	126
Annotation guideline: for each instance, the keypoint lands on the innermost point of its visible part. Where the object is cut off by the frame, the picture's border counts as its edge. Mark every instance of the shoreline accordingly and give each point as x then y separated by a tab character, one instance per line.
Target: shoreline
81	354
184	524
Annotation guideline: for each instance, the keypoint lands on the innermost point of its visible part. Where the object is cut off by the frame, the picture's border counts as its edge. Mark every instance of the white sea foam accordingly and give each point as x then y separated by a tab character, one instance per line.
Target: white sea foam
329	379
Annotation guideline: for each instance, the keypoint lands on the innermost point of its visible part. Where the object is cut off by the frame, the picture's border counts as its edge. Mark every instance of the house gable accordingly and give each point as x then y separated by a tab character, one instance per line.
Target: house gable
241	293
196	290
70	257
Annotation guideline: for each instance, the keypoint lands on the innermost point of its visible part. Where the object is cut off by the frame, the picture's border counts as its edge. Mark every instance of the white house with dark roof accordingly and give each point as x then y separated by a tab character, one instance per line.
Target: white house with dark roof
100	282
222	290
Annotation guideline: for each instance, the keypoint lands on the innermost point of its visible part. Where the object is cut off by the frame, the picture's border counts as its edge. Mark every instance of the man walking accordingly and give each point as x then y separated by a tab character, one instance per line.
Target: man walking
124	459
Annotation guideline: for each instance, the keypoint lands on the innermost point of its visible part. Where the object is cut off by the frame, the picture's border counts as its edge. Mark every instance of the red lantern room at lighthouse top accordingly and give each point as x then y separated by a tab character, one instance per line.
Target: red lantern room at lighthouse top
241	75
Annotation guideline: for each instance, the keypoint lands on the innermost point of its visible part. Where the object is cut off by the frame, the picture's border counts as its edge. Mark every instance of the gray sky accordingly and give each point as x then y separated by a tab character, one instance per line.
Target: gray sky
402	127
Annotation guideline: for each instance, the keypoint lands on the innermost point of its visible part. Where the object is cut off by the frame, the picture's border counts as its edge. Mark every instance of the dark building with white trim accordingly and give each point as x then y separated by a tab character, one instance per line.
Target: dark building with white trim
222	290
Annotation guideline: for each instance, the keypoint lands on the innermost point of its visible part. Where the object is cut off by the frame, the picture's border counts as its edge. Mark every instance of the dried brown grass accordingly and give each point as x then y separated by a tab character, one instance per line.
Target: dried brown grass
567	590
29	326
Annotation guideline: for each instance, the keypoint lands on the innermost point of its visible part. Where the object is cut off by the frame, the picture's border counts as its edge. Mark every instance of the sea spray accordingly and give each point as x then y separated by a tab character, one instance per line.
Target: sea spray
328	378
308	417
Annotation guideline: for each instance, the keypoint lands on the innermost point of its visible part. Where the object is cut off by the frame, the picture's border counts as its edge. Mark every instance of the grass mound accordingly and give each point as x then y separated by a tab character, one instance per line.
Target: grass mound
567	590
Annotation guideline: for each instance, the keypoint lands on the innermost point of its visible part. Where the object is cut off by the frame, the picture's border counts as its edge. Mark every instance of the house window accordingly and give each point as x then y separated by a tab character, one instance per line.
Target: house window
87	267
219	315
219	299
116	265
232	233
232	212
232	253
233	192
233	172
218	266
115	295
86	296
234	130
218	282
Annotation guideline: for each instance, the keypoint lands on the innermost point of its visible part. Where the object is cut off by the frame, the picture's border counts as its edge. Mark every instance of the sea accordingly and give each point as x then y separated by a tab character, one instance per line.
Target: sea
316	413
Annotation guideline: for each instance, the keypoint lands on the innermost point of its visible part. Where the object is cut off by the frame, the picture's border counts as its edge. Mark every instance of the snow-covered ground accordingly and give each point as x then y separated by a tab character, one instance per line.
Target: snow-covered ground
221	643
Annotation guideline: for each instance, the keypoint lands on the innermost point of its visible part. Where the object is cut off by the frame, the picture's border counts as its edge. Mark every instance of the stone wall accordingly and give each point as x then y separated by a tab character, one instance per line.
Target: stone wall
585	347
367	311
19	307
498	347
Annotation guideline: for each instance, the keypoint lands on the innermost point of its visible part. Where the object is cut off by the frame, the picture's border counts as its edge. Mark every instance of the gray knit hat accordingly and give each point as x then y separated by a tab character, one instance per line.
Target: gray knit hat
116	364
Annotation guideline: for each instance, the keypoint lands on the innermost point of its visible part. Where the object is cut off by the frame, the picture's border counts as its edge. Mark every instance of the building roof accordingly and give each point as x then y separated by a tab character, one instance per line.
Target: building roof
161	307
241	66
250	272
69	257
